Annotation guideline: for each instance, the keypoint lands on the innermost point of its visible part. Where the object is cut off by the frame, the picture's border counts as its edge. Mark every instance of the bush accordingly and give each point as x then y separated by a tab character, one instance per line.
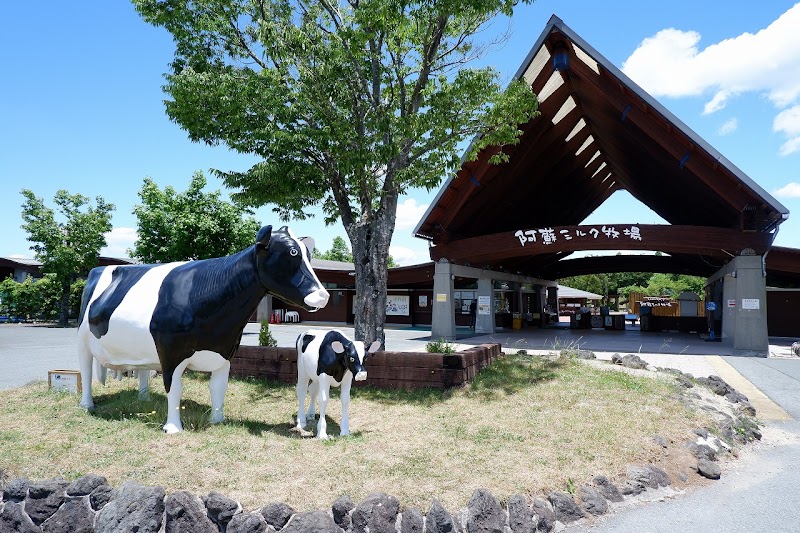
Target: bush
440	346
265	338
37	298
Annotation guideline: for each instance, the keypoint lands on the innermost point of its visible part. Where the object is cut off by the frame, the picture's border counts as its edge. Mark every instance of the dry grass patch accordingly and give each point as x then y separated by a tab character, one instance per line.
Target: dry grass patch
527	424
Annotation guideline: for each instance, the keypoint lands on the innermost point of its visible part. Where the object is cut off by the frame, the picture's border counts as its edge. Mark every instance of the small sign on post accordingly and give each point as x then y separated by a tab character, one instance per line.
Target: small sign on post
751	303
64	380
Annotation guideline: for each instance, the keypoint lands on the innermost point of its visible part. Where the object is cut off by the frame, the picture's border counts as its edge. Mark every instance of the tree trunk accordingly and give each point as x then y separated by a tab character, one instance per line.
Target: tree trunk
370	243
63	311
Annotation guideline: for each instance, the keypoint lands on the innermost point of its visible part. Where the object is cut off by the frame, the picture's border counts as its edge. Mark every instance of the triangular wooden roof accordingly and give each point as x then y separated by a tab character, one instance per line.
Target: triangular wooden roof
598	132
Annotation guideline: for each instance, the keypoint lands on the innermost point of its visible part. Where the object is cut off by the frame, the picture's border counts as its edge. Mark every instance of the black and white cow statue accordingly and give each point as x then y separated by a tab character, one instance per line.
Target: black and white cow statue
175	316
327	358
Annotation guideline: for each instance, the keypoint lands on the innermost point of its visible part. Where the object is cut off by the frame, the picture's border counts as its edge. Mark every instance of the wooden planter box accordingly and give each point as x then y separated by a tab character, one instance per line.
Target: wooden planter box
386	370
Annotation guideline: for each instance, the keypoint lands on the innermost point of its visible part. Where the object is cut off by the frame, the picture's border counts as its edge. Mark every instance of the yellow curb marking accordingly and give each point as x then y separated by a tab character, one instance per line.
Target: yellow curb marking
766	409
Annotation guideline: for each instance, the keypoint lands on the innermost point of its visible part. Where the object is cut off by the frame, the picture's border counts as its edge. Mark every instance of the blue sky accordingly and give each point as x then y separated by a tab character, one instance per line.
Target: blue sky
82	107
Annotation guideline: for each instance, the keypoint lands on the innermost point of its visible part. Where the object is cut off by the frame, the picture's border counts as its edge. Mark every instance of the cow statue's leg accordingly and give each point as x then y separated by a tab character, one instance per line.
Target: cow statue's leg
313	390
347	380
85	361
302	388
324	393
144	383
174	424
218	385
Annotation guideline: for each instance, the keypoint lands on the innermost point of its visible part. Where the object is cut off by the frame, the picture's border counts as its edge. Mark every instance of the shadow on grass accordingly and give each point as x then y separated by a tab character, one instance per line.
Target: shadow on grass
513	373
152	412
508	375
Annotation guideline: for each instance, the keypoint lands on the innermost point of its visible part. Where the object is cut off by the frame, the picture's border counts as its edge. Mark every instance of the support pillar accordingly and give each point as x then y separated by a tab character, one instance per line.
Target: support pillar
264	309
750	330
443	321
484	323
744	305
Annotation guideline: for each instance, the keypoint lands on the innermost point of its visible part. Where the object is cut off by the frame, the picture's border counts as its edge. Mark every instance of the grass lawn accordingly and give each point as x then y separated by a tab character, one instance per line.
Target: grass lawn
525	425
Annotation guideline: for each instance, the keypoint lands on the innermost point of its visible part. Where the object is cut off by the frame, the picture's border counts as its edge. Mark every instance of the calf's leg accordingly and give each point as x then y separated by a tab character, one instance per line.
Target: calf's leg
324	391
302	388
346	382
313	390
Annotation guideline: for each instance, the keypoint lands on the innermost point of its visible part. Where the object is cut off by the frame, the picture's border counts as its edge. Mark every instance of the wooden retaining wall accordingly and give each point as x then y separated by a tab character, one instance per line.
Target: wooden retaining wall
386	370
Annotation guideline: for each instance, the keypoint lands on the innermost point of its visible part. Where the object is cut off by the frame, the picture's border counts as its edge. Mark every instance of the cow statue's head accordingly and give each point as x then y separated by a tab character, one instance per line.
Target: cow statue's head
354	356
284	268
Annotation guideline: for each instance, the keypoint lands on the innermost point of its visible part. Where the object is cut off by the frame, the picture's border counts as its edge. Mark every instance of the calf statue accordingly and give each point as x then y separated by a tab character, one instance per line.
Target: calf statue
327	358
181	315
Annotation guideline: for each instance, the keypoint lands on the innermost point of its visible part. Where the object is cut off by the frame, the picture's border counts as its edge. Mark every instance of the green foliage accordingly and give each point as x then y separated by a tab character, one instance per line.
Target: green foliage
265	337
348	104
8	296
652	284
38	299
440	346
75	294
339	251
66	249
44	298
178	226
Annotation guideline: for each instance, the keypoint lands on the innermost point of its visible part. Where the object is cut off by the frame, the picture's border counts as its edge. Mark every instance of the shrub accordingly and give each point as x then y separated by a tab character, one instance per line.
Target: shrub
265	338
440	346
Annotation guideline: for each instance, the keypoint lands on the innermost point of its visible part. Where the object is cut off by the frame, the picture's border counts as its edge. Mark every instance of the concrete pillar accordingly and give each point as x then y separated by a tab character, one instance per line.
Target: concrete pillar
443	321
485	323
264	309
750	321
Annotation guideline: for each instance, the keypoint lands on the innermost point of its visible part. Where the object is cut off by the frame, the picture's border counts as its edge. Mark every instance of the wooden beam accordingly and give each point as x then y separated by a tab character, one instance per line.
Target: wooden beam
678	148
721	242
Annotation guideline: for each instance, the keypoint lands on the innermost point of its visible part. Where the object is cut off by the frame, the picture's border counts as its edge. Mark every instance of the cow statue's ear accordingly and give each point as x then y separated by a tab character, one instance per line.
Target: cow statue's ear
263	237
309	242
337	346
374	347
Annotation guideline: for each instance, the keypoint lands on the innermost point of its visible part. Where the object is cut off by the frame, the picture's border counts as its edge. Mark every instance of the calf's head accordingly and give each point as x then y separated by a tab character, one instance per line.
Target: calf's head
284	268
353	356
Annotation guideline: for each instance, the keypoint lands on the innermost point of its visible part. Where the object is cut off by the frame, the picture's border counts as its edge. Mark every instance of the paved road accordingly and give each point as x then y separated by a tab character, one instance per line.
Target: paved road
759	493
28	351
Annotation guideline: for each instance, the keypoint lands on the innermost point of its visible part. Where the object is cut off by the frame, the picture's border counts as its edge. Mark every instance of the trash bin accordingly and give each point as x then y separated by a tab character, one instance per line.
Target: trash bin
516	321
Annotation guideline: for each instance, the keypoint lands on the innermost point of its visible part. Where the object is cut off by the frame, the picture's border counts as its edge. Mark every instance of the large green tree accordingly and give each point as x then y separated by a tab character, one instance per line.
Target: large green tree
178	226
68	249
349	104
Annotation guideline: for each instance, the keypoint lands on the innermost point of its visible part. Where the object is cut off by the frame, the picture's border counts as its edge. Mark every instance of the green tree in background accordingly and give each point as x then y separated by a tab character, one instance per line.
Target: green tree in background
349	104
651	284
68	249
178	226
340	252
38	298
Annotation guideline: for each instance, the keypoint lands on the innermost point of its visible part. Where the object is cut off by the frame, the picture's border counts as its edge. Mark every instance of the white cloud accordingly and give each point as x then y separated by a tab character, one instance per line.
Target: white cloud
789	147
409	214
790	190
788	122
405	256
728	127
118	240
671	63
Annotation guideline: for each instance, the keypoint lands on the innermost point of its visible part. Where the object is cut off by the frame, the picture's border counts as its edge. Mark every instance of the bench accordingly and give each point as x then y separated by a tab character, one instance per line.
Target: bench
632	318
